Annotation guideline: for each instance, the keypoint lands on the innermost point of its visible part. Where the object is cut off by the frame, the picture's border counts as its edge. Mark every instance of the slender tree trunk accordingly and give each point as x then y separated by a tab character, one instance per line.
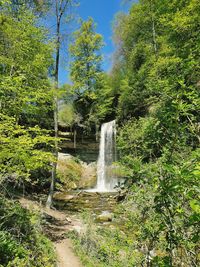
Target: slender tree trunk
54	167
54	164
153	29
61	6
97	132
75	133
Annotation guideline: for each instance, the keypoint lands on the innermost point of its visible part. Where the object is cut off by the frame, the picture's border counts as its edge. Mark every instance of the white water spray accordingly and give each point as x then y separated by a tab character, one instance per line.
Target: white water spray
106	180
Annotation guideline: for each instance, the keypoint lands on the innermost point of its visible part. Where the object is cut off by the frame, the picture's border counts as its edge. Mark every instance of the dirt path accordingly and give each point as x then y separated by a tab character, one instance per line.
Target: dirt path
66	256
56	225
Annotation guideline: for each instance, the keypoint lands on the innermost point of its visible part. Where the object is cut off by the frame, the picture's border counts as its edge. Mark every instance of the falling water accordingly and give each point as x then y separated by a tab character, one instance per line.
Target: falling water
106	179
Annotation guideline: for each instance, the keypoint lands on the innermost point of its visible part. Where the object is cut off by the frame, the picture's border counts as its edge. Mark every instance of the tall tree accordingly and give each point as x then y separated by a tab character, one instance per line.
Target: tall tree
86	65
60	9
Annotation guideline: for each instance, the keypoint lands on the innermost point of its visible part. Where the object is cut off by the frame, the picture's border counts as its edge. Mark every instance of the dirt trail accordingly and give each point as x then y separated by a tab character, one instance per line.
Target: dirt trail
56	225
66	256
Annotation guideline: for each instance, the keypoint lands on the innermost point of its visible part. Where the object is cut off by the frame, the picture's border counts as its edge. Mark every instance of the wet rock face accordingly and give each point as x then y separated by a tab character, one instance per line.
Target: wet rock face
87	149
75	174
89	176
69	172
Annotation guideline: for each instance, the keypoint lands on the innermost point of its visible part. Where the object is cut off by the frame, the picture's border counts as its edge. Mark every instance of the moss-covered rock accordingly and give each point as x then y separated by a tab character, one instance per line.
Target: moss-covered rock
105	216
89	176
69	171
63	196
75	174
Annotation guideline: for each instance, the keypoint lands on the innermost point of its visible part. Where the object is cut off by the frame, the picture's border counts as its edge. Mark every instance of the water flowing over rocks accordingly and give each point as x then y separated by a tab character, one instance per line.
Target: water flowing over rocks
77	202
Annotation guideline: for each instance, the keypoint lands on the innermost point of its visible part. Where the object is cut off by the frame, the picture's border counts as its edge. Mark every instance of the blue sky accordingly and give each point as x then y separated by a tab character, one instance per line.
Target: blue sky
103	13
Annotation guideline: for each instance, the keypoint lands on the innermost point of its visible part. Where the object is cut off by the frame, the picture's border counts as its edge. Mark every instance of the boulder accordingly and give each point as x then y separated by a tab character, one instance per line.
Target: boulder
62	196
105	216
121	195
64	156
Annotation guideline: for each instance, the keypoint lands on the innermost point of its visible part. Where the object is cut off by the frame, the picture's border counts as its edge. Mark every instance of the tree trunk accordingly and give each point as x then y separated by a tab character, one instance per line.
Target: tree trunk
153	29
60	6
54	165
97	132
51	191
75	133
154	36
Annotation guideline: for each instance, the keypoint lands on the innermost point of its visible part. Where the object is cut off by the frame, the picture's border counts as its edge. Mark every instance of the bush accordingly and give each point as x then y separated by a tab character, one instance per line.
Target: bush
21	241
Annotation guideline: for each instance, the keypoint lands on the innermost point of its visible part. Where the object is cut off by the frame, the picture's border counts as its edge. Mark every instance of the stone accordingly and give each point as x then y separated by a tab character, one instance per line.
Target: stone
121	195
64	156
69	171
105	216
62	196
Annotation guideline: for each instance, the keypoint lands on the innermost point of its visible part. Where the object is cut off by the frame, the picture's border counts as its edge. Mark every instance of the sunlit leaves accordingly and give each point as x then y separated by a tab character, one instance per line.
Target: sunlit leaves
159	111
22	150
86	57
25	98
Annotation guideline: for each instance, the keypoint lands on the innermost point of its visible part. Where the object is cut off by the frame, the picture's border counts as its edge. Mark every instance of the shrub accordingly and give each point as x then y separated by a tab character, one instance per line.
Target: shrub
21	240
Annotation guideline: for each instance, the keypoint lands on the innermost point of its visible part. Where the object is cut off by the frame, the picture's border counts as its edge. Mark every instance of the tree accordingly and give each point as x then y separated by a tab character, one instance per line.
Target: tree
85	68
25	98
158	109
103	106
60	9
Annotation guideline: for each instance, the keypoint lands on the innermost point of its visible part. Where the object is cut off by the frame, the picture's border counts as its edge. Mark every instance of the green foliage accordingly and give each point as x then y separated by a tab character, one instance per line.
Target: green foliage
21	151
69	173
163	72
102	105
25	59
85	66
159	143
10	248
157	224
94	95
91	87
154	86
21	241
25	98
103	247
67	115
154	90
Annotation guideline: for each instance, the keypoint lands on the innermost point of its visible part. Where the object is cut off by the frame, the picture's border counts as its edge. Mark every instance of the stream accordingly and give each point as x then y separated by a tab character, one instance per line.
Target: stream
77	202
102	198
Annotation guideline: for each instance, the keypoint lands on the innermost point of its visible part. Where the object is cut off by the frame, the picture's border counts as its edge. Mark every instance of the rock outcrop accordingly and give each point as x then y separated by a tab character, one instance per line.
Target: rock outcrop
75	174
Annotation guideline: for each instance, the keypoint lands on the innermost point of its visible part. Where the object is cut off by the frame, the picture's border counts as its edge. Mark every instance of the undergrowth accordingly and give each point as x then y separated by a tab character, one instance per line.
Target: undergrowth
22	243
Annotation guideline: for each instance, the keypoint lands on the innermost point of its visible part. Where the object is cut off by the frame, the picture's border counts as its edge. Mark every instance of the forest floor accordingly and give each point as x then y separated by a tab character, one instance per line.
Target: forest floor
56	224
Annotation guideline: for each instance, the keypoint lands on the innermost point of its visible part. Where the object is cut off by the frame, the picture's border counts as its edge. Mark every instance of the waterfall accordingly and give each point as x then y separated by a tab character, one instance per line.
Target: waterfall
106	179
